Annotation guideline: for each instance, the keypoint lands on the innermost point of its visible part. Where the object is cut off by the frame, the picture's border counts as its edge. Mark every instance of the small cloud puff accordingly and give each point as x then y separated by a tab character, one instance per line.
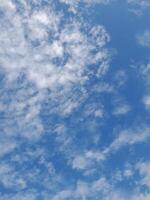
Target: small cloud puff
144	39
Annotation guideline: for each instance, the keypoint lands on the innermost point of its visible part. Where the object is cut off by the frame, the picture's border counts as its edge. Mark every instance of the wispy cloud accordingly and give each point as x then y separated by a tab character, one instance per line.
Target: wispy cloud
144	38
129	137
138	7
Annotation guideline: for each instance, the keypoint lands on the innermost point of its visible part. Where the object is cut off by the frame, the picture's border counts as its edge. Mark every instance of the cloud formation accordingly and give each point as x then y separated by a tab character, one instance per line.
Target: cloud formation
64	115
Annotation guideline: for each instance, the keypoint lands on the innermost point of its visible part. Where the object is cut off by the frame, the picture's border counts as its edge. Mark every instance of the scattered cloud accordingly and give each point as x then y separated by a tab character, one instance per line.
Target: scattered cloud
121	110
146	101
144	38
144	172
143	4
54	100
138	7
127	138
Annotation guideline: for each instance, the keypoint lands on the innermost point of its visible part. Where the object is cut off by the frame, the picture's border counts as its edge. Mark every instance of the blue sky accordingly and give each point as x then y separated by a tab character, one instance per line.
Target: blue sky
74	100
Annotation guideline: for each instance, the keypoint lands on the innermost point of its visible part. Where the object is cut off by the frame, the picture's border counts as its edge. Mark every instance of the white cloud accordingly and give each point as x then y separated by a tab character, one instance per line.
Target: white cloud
7	145
121	109
84	190
74	4
86	161
128	173
144	171
138	7
142	4
41	55
145	71
141	197
127	138
19	196
7	5
62	195
80	162
46	59
103	88
144	38
146	101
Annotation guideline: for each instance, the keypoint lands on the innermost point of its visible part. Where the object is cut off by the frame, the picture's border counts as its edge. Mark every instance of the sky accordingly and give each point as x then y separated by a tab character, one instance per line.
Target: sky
74	100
